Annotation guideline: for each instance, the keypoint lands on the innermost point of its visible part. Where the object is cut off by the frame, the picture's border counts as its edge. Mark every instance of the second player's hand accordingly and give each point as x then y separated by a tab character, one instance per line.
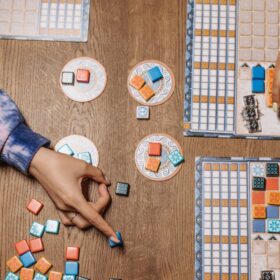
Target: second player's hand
62	176
276	86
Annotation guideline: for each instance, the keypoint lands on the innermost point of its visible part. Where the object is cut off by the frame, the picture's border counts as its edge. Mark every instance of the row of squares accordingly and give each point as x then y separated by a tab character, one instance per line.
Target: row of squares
82	76
259	42
85	156
27	274
224	172
258	5
263	212
259	17
269	183
270	197
269	225
219	128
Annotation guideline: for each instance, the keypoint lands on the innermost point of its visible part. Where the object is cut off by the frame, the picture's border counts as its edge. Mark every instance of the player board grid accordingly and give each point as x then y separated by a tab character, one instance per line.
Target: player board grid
237	222
62	20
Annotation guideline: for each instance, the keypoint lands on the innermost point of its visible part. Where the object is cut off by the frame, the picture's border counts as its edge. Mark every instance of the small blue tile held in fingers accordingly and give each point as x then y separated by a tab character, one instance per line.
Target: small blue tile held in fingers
71	268
114	244
176	158
52	226
11	276
39	276
27	259
37	229
155	74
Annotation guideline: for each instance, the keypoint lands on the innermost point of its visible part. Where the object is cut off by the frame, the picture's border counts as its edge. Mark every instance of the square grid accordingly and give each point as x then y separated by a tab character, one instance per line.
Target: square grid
225	221
213	83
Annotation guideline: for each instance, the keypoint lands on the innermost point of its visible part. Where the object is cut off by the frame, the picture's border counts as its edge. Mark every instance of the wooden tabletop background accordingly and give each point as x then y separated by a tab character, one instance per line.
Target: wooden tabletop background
156	220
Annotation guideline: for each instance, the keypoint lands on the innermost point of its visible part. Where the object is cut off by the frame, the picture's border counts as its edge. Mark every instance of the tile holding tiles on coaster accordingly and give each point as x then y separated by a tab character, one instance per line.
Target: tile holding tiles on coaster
22	247
259	226
122	189
85	156
52	226
114	244
83	76
72	253
68	78
154	149
27	259
146	92
272	183
152	164
273	226
26	273
155	74
272	212
39	276
65	149
142	112
69	277
272	170
71	268
259	212
176	158
11	276
35	206
36	245
43	265
37	229
14	264
259	183
54	275
137	82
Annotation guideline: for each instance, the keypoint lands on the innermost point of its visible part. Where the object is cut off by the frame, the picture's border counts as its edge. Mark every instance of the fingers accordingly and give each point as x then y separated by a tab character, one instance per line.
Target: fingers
276	83
104	199
97	175
73	219
64	218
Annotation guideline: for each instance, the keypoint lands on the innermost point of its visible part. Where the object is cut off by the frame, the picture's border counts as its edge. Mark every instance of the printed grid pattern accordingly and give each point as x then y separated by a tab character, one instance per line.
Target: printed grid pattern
213	85
225	221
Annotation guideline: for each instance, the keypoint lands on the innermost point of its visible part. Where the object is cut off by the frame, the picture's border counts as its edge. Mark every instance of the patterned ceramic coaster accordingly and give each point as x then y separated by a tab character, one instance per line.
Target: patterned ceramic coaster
166	170
79	144
163	88
81	91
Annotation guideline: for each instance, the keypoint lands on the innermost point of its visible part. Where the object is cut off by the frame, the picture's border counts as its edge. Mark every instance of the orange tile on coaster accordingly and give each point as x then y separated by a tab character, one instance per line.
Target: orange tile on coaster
137	82
259	212
155	149
26	273
272	183
273	198
14	264
36	245
152	164
147	92
55	275
22	247
34	206
43	265
83	76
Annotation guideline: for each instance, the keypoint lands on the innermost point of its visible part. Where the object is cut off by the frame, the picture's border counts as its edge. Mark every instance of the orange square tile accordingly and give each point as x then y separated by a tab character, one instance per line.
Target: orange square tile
22	247
146	92
26	273
137	82
258	197
55	275
34	206
36	245
152	164
14	264
272	183
72	253
259	212
43	265
273	198
155	149
83	76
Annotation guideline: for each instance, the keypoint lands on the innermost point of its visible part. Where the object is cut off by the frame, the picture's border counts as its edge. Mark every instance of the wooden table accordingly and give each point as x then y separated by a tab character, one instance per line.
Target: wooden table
157	219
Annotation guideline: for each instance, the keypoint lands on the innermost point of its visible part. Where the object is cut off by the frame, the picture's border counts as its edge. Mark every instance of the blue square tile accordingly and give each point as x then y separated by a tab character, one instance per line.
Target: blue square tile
155	74
27	259
259	225
37	229
258	72
113	244
273	226
71	268
39	276
52	226
176	158
85	157
11	276
272	169
272	212
258	86
68	277
65	149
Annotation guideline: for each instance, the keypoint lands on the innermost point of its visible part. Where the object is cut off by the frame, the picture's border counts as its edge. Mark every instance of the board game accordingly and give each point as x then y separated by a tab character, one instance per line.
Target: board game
231	49
237	225
59	20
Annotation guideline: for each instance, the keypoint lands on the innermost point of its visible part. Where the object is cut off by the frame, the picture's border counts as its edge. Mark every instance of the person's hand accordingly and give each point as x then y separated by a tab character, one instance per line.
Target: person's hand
276	86
62	177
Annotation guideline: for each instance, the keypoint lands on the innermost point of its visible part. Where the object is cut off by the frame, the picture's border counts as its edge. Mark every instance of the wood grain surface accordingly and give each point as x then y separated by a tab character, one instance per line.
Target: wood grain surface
157	219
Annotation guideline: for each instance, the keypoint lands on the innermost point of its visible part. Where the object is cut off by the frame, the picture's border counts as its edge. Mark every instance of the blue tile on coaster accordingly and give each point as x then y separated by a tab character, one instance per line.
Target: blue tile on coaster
52	226
155	74
11	276
176	157
69	277
27	259
258	72
273	226
39	276
65	149
272	212
71	268
85	157
258	86
259	225
114	244
37	229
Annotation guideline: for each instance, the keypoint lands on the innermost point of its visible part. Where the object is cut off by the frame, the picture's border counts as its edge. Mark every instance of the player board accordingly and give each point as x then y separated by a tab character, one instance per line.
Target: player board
237	226
231	48
59	20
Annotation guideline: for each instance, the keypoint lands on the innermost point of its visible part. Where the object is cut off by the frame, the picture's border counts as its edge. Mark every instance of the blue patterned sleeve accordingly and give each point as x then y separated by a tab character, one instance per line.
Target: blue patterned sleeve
18	143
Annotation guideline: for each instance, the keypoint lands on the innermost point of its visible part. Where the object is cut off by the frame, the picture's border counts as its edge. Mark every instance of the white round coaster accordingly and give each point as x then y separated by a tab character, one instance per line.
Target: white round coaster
80	144
83	92
163	88
166	170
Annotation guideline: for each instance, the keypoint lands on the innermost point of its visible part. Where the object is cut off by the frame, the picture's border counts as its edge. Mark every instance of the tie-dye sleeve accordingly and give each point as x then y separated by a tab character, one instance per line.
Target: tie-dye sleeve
18	143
